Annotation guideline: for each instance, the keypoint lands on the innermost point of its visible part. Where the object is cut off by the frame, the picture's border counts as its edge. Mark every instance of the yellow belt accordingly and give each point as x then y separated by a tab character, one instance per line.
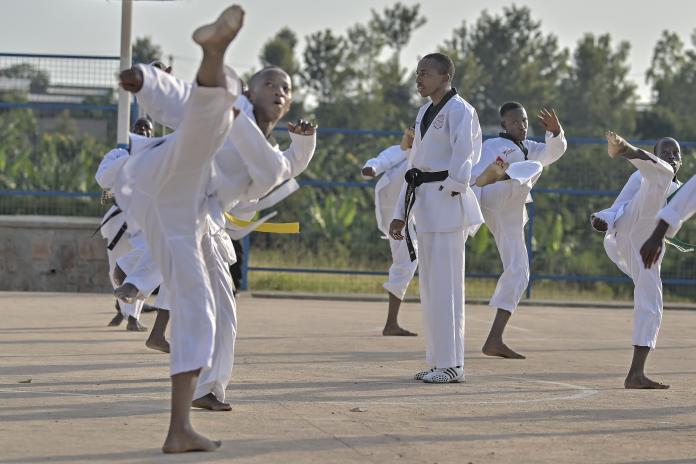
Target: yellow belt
268	227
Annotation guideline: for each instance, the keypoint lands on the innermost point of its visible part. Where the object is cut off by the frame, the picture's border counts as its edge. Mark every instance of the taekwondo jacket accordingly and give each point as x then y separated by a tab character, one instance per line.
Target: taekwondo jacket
452	143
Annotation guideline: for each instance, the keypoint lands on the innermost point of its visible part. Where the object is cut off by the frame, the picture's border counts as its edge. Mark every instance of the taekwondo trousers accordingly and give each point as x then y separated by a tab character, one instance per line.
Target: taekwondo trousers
503	208
167	188
441	280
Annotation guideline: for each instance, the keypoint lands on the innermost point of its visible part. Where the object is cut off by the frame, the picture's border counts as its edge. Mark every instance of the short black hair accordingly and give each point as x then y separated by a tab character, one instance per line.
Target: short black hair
142	120
662	139
444	63
509	106
259	74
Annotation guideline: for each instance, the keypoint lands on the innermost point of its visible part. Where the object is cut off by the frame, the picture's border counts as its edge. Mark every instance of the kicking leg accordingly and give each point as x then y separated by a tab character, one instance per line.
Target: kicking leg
213	39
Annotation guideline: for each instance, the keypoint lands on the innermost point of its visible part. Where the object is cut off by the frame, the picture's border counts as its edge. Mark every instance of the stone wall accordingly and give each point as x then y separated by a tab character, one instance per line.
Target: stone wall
52	254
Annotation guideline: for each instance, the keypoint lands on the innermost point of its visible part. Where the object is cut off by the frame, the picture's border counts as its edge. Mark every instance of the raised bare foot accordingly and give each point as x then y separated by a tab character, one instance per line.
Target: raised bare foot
500	350
116	321
187	441
396	330
127	293
158	344
134	325
642	382
616	145
493	173
216	36
211	403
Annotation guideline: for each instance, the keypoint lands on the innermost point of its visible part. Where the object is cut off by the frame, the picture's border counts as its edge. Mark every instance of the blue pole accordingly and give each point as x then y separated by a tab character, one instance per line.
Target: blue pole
530	251
246	246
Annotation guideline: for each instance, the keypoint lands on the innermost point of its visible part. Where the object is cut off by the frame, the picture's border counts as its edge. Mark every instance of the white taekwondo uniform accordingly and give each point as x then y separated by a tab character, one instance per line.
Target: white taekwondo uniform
451	143
630	221
392	164
503	206
243	167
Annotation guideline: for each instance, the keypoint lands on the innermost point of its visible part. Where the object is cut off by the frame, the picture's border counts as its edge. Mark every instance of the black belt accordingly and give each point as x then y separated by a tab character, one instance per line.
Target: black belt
116	212
117	237
415	177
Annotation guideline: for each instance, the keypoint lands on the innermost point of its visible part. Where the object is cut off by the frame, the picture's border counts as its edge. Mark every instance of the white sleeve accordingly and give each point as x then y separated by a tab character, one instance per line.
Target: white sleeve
300	152
387	159
163	96
680	208
549	152
629	190
110	166
268	167
465	139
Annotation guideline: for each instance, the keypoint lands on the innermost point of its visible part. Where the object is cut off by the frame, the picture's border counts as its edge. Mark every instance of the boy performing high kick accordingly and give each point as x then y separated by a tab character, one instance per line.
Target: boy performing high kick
163	189
627	224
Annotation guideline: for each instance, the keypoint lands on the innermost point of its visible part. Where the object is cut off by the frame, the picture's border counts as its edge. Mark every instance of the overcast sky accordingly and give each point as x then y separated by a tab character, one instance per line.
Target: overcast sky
92	26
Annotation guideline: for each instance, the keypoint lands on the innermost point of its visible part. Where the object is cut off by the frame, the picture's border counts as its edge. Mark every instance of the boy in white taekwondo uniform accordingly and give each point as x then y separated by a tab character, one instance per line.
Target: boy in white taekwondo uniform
628	223
392	163
509	167
447	145
670	219
244	169
114	229
163	188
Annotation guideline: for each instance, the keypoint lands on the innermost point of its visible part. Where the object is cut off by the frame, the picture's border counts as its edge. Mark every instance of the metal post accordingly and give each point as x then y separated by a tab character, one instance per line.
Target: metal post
124	97
246	246
530	251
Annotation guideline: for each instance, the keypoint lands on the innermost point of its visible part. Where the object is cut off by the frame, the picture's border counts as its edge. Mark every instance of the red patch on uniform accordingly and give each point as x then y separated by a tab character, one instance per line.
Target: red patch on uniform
439	121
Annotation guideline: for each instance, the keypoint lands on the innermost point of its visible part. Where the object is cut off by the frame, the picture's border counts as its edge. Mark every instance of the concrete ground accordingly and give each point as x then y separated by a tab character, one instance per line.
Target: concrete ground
315	381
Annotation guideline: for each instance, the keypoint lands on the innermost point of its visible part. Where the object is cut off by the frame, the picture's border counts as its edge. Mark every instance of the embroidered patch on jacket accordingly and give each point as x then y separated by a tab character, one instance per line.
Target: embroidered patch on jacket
439	121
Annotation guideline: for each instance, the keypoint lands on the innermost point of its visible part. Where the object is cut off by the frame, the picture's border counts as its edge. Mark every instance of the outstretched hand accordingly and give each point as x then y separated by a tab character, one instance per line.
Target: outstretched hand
131	79
302	127
550	121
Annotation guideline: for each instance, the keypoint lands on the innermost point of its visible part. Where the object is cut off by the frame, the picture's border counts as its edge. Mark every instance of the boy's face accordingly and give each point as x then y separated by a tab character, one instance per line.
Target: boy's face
143	127
271	94
429	78
515	123
669	150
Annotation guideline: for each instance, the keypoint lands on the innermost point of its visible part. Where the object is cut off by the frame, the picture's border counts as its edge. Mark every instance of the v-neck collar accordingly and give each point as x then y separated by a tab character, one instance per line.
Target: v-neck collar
434	110
520	145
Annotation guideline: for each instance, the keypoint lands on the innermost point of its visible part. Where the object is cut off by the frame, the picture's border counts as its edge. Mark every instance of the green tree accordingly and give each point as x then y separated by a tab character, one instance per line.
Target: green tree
39	79
145	51
597	94
506	57
280	51
672	76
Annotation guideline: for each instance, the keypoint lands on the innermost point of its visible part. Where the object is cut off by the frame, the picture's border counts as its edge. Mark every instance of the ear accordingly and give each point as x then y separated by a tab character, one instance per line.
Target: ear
502	124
